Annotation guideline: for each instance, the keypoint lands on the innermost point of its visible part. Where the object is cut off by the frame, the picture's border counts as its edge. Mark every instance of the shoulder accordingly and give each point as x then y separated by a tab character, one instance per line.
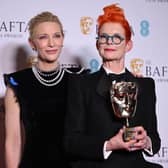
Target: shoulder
145	80
146	85
77	70
19	73
15	77
88	79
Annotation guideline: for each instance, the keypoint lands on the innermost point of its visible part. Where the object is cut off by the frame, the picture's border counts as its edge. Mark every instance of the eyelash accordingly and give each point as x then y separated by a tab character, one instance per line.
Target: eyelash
46	36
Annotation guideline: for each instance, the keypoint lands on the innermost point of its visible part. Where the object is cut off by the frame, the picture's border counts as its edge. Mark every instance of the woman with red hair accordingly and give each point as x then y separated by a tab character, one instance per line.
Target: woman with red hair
93	134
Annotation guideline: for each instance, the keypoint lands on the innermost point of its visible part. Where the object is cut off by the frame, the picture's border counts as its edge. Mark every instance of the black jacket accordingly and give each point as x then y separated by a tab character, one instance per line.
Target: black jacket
90	121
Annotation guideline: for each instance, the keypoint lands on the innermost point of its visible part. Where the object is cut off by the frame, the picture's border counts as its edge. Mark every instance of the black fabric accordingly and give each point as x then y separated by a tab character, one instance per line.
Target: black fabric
42	112
90	121
117	77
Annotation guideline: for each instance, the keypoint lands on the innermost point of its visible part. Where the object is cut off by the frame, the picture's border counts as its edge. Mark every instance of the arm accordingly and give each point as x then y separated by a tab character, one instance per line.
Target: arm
78	143
152	128
13	130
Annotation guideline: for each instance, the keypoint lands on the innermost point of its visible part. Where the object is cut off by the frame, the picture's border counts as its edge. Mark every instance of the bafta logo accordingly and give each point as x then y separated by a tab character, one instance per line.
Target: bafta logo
86	23
124	101
136	65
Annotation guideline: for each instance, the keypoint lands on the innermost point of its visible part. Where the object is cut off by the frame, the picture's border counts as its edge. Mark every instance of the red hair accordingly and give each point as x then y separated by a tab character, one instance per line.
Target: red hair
113	13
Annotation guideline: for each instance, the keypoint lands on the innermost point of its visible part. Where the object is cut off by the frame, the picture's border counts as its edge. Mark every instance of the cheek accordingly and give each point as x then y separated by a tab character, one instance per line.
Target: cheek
60	42
41	49
101	50
41	45
121	50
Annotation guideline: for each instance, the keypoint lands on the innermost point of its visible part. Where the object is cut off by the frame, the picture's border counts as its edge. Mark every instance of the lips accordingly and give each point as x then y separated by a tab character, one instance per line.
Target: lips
109	49
51	51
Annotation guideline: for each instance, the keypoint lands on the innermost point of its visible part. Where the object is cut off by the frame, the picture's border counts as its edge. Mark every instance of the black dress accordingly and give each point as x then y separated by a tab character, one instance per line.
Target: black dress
42	113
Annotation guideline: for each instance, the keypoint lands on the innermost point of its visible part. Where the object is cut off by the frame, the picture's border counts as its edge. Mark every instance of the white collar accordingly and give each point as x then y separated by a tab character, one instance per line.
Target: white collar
110	71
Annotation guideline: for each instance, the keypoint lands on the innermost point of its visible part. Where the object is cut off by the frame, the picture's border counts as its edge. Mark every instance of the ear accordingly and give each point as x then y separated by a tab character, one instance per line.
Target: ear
97	45
32	44
129	45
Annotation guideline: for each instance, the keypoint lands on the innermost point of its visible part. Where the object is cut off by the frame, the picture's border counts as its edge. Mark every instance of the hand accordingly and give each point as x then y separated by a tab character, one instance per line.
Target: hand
117	142
142	140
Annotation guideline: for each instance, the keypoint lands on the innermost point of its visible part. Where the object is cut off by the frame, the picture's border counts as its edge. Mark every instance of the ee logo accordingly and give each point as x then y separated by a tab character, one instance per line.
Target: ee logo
144	31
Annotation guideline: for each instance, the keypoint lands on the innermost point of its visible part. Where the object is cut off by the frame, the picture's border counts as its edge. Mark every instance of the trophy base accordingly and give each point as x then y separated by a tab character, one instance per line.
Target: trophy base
128	134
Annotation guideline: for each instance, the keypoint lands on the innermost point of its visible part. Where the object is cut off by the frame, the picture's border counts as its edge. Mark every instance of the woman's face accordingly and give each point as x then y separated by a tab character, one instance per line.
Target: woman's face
114	47
47	41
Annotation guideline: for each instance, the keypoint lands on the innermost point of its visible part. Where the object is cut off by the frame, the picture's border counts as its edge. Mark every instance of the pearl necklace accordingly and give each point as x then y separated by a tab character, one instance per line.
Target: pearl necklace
47	74
48	82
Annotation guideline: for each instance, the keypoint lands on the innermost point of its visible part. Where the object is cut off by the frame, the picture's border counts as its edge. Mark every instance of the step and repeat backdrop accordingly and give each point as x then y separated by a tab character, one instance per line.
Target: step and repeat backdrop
149	56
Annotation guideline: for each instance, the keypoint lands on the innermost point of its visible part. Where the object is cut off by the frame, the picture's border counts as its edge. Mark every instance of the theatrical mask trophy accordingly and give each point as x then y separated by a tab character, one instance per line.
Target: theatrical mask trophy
124	101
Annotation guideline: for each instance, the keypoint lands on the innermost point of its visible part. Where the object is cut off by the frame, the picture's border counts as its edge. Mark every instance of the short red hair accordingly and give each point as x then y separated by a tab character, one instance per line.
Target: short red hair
113	13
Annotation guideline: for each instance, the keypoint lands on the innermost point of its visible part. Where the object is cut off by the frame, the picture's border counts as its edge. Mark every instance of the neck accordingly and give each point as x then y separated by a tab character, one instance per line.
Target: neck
114	66
45	66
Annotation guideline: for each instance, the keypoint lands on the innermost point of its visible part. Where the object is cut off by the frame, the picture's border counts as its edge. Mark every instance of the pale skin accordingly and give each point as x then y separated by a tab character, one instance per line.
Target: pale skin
113	57
47	41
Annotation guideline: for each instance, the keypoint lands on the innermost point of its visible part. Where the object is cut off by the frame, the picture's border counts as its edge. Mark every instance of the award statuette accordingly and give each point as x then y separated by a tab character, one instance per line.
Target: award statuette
124	101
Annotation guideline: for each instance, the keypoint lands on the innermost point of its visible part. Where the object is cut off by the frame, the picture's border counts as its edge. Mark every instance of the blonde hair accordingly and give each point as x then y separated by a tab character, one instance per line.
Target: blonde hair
43	17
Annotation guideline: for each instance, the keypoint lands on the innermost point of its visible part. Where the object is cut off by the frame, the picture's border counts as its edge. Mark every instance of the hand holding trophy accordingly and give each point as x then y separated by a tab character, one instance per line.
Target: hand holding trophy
124	101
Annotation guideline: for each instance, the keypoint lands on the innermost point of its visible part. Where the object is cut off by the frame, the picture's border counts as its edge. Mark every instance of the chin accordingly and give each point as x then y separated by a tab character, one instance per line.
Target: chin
109	59
51	61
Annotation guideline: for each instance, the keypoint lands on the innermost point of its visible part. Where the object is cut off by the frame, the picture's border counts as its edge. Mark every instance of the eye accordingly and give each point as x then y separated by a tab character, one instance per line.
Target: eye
102	38
117	38
57	35
41	37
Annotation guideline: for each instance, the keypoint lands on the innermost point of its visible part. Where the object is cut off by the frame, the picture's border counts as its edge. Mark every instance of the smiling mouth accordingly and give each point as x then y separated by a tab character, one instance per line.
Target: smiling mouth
51	51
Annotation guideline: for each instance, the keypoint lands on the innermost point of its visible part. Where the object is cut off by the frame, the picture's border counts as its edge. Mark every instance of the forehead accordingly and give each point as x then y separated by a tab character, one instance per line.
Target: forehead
45	27
111	28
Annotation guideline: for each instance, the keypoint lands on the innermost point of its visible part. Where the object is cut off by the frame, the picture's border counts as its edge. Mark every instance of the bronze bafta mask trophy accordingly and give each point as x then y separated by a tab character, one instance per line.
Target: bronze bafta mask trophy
124	101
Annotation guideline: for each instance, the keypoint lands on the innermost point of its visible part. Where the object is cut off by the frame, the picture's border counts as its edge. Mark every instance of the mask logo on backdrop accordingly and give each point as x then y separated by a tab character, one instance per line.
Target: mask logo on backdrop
137	65
159	72
12	29
86	24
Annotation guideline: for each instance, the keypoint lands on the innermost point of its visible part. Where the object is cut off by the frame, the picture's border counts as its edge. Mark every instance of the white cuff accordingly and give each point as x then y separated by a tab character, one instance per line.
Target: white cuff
149	147
106	154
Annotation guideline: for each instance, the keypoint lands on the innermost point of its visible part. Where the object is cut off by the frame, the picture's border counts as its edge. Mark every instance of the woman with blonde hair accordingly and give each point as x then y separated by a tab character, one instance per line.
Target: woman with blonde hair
36	96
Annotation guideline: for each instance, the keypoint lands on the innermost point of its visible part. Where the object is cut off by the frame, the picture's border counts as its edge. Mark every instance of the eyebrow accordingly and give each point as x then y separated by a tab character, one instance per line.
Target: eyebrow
47	34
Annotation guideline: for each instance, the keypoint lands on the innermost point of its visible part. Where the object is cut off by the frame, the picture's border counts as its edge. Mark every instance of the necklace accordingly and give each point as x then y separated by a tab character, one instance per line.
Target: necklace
73	72
52	73
57	76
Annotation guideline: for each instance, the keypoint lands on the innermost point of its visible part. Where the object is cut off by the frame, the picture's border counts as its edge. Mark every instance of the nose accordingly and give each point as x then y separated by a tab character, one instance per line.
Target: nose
51	42
109	40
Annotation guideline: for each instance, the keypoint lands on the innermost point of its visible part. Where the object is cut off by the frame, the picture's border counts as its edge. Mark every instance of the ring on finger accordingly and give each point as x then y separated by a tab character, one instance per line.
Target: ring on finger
132	145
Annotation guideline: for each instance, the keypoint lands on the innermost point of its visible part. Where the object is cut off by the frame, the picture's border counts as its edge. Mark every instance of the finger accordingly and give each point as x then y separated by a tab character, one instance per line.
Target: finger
139	128
130	144
121	132
140	144
142	136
